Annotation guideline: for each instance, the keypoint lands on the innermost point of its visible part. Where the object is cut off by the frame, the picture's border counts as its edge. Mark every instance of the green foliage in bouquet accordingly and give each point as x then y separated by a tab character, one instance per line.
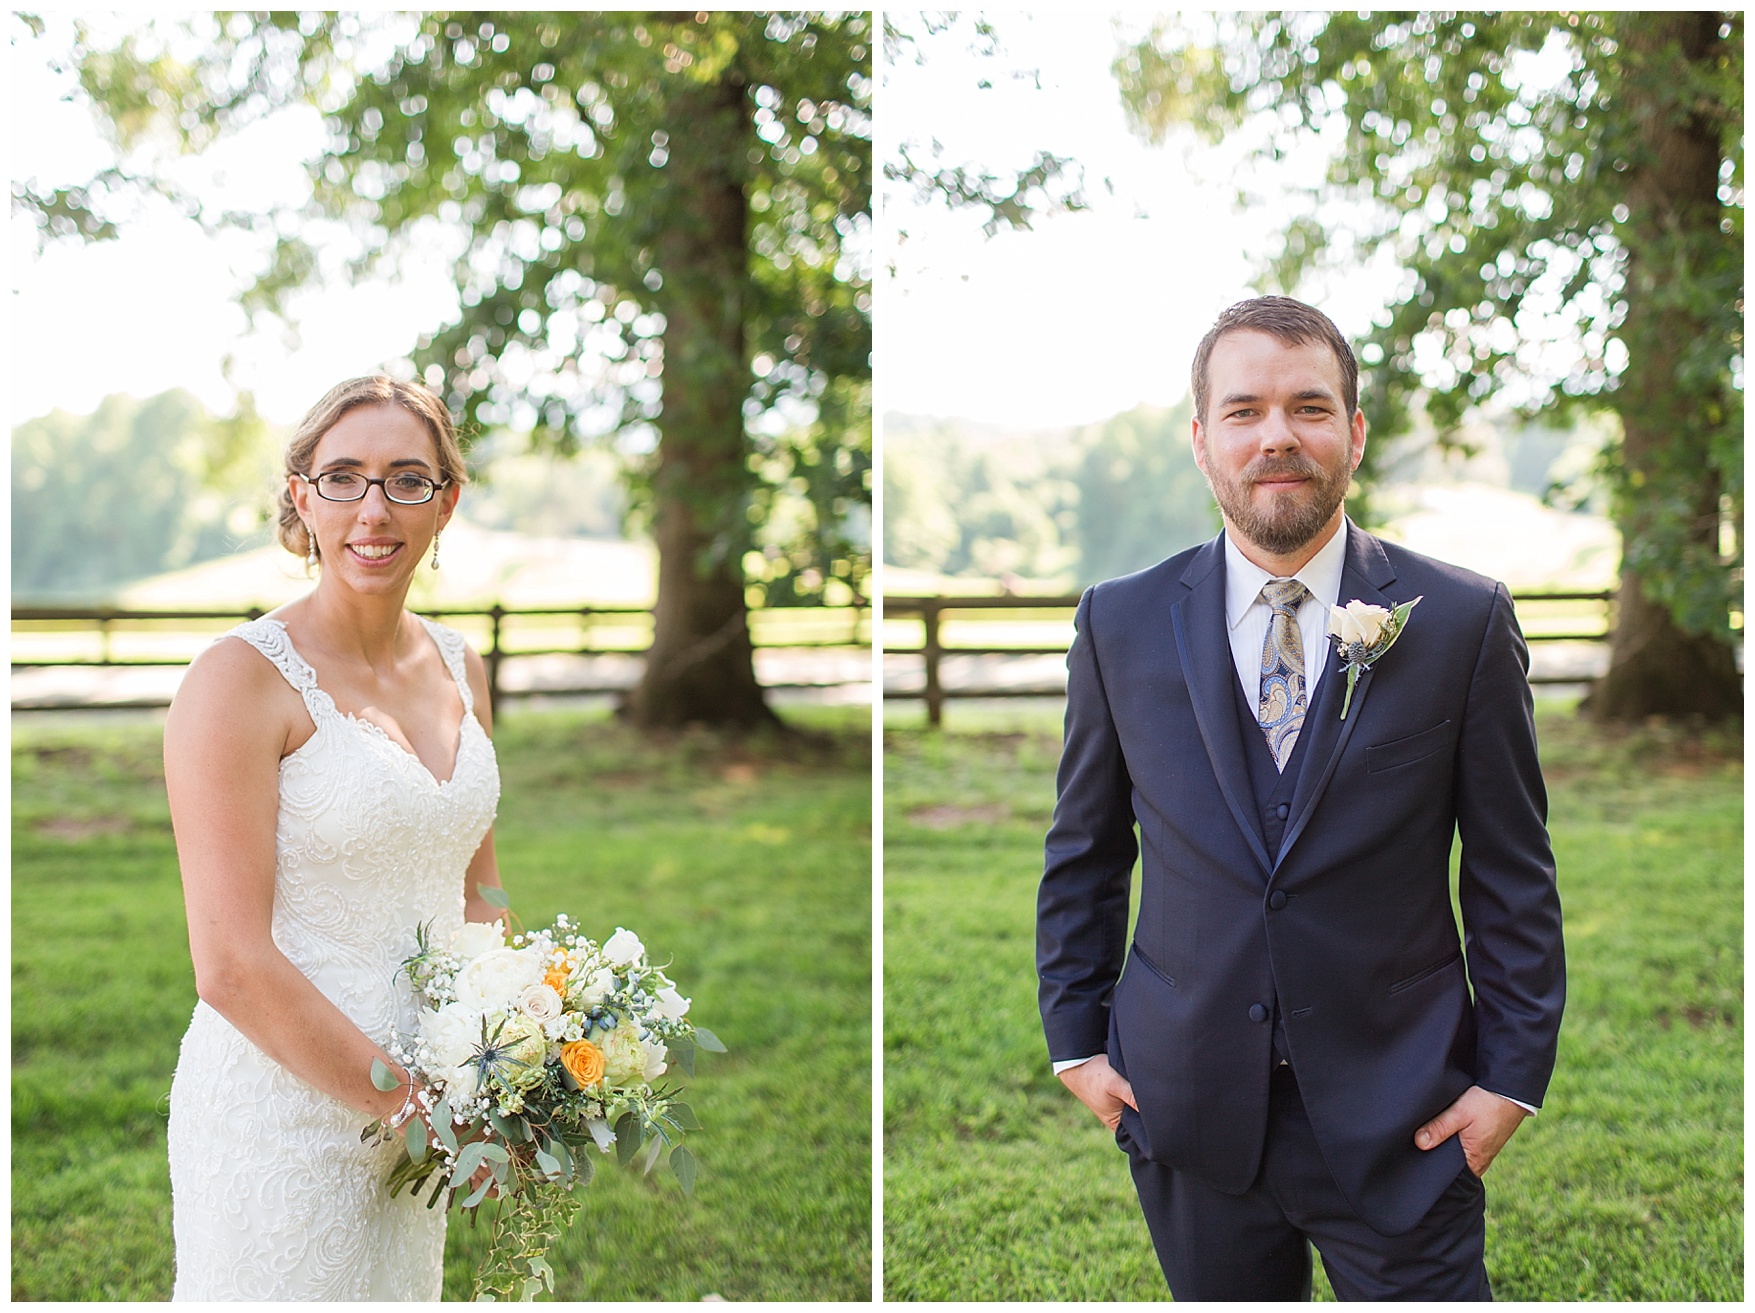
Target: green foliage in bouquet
568	1037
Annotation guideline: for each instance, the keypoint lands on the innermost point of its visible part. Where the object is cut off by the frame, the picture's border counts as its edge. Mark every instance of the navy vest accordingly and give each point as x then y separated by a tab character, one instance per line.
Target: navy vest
1271	791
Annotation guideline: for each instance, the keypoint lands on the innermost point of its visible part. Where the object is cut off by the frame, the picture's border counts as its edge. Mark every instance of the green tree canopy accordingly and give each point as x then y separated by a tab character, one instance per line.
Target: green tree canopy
134	489
664	239
1141	496
1564	193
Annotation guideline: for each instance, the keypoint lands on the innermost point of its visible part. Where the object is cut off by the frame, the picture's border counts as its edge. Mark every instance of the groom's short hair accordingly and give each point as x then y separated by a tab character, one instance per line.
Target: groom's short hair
1293	323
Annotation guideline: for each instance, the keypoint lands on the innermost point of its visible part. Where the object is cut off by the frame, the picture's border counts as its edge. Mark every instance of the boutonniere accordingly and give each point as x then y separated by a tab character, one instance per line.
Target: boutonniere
1361	634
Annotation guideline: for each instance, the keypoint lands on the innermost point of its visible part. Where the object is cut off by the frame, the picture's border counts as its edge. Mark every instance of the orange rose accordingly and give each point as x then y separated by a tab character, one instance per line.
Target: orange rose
583	1061
556	979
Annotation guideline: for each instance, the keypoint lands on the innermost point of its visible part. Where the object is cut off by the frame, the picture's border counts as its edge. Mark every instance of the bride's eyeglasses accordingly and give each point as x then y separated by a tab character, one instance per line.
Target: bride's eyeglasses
403	489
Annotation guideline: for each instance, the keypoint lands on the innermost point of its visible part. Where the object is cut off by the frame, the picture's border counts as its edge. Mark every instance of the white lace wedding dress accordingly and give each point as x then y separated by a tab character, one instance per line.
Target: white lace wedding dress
273	1195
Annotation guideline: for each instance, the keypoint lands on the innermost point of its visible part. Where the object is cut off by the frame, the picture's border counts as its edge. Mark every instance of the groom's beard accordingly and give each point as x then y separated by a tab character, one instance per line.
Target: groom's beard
1289	519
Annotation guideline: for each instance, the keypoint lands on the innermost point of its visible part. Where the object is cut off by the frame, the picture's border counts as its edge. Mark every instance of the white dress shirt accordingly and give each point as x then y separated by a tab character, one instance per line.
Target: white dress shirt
1247	614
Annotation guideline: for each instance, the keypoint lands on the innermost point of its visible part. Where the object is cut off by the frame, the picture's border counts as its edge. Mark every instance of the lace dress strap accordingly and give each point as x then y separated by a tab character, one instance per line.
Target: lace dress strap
450	645
269	637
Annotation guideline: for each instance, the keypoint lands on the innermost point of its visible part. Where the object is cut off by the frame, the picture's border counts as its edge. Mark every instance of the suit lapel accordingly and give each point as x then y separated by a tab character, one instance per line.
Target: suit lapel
1203	645
1366	573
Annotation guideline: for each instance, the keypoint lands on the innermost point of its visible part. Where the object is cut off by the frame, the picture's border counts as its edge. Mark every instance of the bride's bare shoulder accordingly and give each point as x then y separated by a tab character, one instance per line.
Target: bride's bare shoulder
233	690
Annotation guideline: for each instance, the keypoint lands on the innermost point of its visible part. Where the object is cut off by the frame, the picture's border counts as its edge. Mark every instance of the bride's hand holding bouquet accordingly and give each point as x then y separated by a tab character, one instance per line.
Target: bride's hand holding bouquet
529	1055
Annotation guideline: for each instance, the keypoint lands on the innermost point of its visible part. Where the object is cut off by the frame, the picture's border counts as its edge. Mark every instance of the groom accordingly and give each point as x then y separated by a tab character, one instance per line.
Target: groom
1295	1049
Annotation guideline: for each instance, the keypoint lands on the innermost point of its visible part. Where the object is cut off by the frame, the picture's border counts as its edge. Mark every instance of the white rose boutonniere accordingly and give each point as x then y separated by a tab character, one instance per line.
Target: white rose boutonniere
1363	633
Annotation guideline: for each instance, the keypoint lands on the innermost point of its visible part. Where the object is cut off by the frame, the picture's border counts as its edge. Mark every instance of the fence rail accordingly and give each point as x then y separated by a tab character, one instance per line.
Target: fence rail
1544	616
49	636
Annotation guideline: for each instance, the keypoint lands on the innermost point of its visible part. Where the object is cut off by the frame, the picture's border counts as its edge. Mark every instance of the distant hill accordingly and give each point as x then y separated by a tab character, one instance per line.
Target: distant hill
981	507
476	565
1060	506
107	505
133	489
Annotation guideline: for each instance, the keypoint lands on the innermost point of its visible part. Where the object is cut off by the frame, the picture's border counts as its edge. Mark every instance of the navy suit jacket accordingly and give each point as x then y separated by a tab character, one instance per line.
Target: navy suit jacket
1348	926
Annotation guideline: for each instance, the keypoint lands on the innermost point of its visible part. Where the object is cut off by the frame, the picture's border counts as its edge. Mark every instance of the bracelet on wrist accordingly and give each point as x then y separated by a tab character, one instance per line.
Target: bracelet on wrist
398	1119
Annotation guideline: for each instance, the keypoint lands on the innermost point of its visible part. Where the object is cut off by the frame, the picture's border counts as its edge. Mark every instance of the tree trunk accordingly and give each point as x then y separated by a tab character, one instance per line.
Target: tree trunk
700	667
1655	667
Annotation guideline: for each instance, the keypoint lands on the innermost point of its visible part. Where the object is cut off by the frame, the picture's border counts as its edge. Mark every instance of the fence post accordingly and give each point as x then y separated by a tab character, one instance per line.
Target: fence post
495	615
935	696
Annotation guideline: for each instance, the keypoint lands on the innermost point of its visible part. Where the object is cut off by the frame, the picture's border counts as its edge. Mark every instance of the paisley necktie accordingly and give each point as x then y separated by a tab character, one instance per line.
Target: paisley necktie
1280	710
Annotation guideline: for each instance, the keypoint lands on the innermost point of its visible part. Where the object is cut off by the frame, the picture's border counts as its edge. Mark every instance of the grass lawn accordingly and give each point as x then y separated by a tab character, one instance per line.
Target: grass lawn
749	864
1628	1186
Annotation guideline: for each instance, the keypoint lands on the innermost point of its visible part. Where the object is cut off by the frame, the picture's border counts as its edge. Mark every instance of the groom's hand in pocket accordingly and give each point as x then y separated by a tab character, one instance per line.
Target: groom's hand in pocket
1100	1088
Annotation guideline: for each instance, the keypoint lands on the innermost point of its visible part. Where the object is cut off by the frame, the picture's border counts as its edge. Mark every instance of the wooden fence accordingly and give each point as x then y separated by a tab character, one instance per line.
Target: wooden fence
115	637
1546	617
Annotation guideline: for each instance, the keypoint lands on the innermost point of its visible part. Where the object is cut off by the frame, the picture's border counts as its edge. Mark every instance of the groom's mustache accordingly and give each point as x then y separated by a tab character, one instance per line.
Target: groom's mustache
1262	469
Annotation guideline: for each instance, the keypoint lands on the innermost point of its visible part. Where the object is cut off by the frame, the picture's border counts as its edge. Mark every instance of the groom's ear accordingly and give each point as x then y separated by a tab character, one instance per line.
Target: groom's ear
1357	444
1200	453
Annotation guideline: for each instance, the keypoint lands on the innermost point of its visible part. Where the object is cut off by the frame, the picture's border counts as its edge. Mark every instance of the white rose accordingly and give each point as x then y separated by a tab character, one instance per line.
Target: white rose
624	948
451	1036
624	1057
540	1003
478	937
1342	625
592	993
496	978
655	1054
1369	619
672	1006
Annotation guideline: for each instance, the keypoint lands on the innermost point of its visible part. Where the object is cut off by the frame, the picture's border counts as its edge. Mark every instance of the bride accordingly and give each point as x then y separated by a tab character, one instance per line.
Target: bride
332	788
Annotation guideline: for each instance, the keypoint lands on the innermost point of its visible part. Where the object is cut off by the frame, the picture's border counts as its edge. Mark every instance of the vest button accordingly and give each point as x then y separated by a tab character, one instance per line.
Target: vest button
1276	900
1257	1012
1285	810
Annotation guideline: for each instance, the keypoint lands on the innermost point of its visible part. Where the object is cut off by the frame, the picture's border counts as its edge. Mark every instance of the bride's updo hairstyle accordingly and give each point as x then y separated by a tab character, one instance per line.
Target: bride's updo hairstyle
373	390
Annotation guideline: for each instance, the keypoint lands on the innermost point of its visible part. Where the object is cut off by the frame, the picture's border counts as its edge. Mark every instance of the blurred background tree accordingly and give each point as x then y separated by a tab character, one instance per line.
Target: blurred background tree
660	225
134	489
1565	194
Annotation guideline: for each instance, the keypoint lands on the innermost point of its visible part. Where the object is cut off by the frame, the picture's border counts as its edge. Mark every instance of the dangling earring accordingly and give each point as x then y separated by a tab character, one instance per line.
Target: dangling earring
435	551
311	546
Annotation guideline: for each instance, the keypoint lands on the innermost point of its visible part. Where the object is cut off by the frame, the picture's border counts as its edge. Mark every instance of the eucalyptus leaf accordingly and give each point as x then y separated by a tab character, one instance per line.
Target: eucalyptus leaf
584	1169
627	1138
382	1077
649	1158
442	1126
708	1040
682	1162
682	1052
548	1162
479	1193
414	1138
497	1152
467	1161
494	896
681	1116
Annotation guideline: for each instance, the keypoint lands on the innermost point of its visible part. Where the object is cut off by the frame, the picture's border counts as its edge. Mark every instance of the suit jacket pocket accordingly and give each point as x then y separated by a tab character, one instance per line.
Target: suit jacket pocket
1425	973
1400	752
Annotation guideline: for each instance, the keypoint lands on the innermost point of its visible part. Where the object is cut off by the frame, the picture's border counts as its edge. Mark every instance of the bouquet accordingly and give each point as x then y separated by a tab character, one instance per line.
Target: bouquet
532	1054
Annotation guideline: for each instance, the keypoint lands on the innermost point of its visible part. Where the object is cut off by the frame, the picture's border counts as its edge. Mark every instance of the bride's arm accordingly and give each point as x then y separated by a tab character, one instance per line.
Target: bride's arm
484	867
224	736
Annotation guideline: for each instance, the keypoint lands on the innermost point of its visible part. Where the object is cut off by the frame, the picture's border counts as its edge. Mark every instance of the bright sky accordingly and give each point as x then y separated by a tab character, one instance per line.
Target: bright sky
1090	313
156	308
